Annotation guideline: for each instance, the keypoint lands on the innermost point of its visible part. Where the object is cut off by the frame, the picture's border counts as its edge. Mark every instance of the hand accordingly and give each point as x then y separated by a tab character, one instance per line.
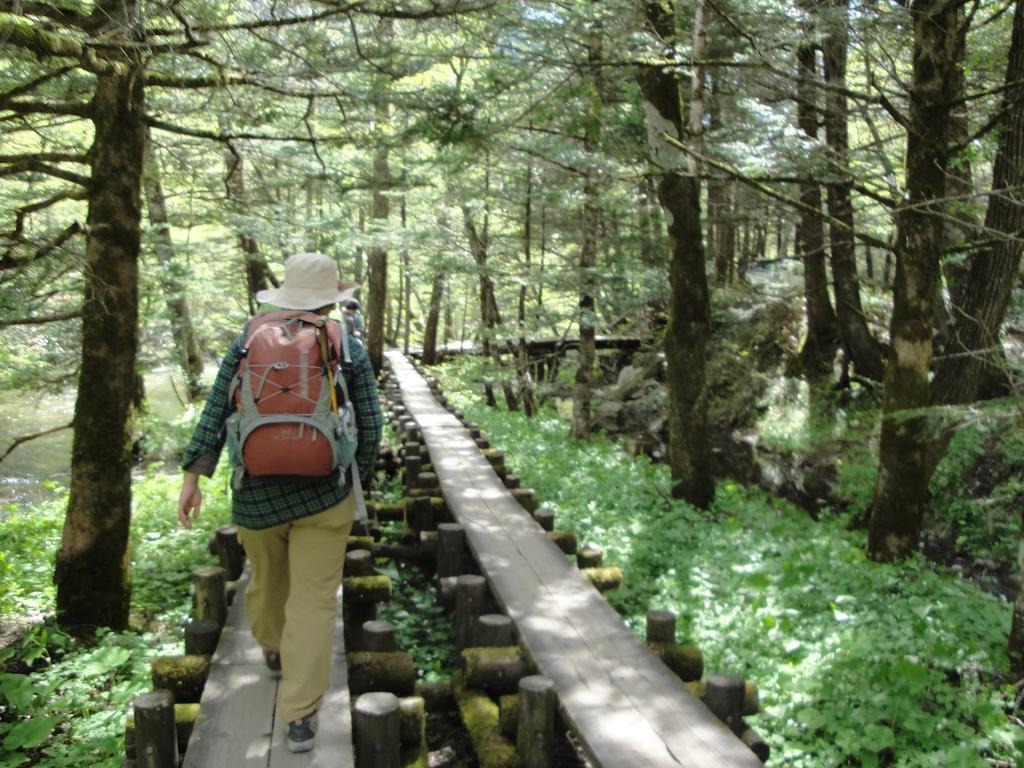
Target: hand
190	500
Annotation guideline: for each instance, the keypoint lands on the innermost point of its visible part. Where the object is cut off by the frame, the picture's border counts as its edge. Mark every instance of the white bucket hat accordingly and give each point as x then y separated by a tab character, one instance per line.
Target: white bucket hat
310	282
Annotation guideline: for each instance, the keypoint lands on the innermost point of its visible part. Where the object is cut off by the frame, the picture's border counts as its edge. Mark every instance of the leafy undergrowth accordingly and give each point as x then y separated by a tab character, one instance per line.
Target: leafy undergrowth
858	664
63	700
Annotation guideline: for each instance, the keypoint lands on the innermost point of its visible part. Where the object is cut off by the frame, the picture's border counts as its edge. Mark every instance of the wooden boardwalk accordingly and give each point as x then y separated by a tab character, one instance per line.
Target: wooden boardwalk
237	726
626	706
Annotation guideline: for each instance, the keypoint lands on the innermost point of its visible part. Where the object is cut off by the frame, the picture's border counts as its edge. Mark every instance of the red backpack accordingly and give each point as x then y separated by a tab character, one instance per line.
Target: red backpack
286	420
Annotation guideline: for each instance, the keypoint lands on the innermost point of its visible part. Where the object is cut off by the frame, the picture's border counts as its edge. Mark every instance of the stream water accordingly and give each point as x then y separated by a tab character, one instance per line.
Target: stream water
25	475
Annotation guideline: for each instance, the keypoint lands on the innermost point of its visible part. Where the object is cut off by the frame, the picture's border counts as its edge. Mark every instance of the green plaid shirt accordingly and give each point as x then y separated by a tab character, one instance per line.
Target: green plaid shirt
262	503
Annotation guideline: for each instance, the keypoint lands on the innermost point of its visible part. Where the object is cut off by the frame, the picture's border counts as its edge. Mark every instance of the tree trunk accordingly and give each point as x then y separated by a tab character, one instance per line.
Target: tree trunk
861	347
258	276
902	486
490	318
583	393
186	339
523	358
689	313
93	570
819	344
377	257
437	292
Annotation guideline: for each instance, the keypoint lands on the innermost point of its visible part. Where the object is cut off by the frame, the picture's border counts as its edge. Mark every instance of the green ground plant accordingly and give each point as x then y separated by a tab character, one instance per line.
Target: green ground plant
63	700
858	663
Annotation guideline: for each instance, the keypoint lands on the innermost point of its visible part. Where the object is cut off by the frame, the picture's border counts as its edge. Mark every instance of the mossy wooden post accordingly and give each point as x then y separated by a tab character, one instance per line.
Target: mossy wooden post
377	723
494	630
565	541
156	742
470	594
661	626
495	670
183	676
413	720
535	736
201	636
545	517
394	672
451	544
426	480
412	470
211	598
723	695
359	562
230	552
589	556
379	636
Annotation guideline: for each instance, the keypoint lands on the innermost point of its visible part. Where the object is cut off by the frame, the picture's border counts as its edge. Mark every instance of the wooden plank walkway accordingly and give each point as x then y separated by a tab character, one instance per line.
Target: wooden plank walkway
626	706
237	726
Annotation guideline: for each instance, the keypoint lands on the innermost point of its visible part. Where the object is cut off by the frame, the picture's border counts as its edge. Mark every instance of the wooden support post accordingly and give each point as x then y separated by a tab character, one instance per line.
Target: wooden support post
451	545
377	724
393	672
183	676
535	737
604	579
482	719
494	630
446	588
723	695
426	480
526	498
565	541
495	670
496	458
156	742
210	597
545	517
229	551
359	562
413	464
512	481
470	594
413	720
379	636
201	636
474	430
483	443
589	556
661	626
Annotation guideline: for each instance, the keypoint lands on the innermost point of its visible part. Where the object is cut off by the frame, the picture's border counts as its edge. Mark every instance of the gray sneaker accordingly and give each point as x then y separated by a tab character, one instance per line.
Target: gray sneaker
301	734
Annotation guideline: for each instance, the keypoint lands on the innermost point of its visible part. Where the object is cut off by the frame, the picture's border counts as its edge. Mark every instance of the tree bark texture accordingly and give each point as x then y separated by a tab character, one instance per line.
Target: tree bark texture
377	258
525	380
258	276
973	346
861	347
437	292
490	318
583	392
186	340
822	332
93	570
902	485
689	313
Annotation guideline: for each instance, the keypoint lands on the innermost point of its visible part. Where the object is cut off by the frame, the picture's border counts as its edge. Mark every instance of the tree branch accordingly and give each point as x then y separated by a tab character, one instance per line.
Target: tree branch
35	166
224	138
23	33
31	85
75	108
25	210
25	438
71	314
769	192
9	261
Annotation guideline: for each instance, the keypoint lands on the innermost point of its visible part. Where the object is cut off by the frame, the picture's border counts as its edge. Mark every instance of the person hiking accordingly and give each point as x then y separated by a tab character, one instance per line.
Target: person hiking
294	527
351	311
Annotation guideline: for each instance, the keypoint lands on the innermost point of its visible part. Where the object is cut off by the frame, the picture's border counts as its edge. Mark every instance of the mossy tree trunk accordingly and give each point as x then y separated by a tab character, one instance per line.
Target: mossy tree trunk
93	574
186	339
861	347
377	258
901	490
689	313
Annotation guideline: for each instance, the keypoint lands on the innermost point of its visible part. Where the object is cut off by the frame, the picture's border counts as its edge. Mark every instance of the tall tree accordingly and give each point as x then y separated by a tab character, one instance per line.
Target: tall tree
860	346
689	313
901	490
186	340
93	570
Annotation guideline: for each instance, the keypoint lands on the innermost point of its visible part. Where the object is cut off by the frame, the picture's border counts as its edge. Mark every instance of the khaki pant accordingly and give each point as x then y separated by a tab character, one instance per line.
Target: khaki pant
291	600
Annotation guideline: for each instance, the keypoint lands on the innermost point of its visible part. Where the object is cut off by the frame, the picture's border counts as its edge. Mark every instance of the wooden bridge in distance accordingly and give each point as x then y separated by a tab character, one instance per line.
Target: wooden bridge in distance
627	708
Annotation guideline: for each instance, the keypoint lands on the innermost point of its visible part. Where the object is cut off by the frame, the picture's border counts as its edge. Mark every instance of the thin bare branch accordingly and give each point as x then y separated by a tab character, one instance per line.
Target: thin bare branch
25	438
